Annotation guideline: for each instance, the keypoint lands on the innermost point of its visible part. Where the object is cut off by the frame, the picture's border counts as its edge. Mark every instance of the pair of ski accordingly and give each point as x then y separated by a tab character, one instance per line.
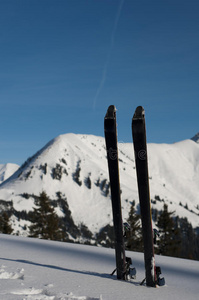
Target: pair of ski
123	263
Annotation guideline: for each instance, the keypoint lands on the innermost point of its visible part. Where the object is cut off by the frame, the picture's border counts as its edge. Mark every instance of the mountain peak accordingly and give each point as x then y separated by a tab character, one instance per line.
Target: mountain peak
75	166
195	138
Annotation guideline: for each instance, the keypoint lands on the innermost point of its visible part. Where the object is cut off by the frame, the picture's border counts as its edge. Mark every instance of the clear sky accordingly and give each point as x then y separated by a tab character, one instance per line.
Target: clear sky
63	62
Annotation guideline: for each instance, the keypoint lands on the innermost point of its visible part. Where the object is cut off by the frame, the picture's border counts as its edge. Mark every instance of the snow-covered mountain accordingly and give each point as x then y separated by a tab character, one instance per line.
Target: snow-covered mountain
74	167
7	170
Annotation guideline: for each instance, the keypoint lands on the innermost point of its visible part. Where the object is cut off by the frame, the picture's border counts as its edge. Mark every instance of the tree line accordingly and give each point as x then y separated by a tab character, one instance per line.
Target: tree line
46	224
173	236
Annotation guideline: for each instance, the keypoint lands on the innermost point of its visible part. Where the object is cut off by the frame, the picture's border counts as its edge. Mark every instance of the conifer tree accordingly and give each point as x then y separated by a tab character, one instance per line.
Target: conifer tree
169	241
189	240
45	221
5	226
134	235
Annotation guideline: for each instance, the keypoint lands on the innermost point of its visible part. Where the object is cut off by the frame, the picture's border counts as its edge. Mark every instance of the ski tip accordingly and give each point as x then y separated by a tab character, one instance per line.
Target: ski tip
111	111
139	113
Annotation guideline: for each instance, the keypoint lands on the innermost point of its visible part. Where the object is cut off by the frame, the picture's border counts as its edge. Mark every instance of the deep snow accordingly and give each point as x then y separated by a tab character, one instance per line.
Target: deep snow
36	269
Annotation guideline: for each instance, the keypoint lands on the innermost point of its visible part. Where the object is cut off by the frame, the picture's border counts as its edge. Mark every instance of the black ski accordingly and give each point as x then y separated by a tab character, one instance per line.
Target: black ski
110	131
140	149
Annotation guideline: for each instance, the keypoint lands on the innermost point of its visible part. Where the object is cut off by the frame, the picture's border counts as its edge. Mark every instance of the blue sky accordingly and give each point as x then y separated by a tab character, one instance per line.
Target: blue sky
63	62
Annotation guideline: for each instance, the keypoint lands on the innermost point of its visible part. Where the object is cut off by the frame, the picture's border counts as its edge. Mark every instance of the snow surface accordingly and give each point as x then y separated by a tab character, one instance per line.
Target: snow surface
33	269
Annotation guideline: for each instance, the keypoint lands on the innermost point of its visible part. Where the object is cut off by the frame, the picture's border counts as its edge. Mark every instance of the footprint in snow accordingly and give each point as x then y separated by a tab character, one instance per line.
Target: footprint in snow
70	296
39	294
33	294
11	275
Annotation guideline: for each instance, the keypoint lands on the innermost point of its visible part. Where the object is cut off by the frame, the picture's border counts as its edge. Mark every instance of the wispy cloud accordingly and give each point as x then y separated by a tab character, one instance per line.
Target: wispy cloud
105	68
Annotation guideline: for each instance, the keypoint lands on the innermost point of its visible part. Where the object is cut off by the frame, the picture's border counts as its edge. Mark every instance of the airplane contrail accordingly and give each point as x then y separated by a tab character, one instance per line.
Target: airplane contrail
105	68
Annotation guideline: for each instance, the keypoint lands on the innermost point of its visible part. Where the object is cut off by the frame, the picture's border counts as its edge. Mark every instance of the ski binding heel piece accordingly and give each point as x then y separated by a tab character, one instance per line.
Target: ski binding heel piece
132	273
160	281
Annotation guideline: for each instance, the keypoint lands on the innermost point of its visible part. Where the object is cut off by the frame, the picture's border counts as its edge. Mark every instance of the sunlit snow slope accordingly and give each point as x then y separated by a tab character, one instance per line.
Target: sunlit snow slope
6	170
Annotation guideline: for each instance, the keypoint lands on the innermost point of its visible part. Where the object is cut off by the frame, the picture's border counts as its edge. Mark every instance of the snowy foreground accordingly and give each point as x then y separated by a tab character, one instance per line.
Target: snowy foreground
38	269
